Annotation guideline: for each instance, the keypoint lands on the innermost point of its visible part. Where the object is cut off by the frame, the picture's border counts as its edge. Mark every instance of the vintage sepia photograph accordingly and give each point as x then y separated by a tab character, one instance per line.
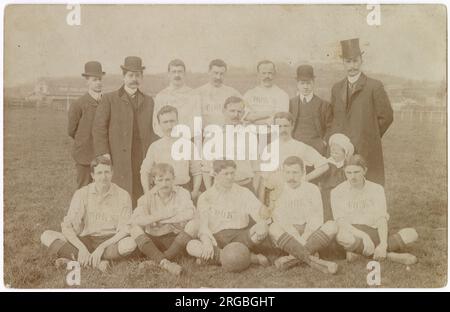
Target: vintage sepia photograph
150	146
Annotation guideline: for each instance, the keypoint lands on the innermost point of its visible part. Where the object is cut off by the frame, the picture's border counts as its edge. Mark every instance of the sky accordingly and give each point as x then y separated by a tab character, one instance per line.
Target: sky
410	42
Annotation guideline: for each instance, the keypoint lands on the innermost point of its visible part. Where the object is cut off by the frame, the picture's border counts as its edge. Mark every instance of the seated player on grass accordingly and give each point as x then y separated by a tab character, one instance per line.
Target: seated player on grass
297	214
340	149
224	217
359	208
161	223
288	146
160	151
95	229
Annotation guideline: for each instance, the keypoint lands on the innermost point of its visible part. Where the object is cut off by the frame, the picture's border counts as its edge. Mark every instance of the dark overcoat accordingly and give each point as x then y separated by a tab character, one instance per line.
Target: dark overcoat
80	120
113	130
363	115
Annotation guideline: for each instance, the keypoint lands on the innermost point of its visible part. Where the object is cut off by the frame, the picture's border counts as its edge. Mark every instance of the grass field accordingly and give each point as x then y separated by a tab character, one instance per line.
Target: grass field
39	180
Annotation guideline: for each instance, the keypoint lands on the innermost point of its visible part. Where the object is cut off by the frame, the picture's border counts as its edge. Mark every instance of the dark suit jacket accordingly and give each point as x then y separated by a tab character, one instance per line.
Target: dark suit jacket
113	130
81	119
321	118
364	120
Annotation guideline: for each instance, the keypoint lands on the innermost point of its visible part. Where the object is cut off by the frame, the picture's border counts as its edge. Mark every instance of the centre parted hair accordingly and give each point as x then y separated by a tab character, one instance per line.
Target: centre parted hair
284	115
167	109
220	164
231	100
218	63
264	62
176	63
100	160
356	160
294	160
161	169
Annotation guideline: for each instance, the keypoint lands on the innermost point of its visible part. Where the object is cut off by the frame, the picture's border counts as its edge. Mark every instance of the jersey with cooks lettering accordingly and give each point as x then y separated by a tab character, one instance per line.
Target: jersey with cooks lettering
267	101
184	100
211	100
92	213
366	206
302	205
228	209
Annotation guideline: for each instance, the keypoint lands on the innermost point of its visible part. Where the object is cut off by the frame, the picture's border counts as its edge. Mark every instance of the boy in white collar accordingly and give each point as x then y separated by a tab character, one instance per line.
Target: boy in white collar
311	114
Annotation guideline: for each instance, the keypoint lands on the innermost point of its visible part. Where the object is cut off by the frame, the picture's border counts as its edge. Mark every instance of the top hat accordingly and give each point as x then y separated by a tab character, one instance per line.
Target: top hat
305	72
350	48
93	68
133	63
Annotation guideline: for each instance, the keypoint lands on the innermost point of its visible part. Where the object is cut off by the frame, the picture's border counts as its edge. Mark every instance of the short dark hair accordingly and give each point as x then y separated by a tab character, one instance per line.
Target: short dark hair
232	99
220	164
125	71
175	63
294	160
356	160
284	115
161	169
218	63
100	160
167	109
263	62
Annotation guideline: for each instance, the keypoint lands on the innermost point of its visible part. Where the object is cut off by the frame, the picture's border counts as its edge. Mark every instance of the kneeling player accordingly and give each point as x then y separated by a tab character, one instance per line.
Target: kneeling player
359	208
297	214
95	228
161	221
224	217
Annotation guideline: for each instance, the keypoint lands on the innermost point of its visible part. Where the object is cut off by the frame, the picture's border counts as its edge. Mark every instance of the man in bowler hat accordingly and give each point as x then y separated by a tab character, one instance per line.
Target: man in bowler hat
81	119
361	110
123	128
311	113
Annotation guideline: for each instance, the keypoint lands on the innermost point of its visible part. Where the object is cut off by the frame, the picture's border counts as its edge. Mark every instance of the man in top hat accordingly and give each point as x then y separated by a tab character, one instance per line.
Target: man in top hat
81	119
123	128
361	110
178	95
310	112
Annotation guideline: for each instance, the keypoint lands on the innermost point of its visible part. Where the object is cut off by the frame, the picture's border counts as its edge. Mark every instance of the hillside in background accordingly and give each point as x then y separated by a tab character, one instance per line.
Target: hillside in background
401	90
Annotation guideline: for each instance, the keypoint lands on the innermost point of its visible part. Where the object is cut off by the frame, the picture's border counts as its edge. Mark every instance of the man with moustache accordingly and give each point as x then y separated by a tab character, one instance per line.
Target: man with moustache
123	128
288	146
266	99
298	227
233	111
361	110
81	119
213	94
178	95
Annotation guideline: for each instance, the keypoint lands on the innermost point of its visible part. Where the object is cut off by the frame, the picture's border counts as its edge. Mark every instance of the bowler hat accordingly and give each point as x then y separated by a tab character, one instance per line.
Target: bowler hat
133	63
93	68
350	48
305	72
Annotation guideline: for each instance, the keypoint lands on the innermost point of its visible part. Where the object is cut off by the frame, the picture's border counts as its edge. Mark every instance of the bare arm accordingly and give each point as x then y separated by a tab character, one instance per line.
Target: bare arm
317	172
72	238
